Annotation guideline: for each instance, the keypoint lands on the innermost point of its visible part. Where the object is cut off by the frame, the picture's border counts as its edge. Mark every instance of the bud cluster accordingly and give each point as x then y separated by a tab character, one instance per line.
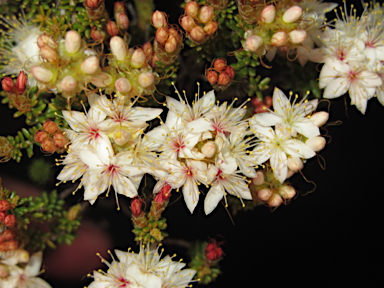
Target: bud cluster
16	92
95	9
7	223
51	138
220	75
121	23
198	22
261	106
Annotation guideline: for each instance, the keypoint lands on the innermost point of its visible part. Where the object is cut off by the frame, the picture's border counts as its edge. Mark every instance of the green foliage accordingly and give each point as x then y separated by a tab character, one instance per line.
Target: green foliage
40	171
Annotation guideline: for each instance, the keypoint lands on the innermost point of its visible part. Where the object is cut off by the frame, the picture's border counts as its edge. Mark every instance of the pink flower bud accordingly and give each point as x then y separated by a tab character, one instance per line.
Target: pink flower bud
219	64
136	206
264	194
320	118
192	9
123	85
159	19
40	136
205	14
287	192
45	40
122	21
4	205
93	4
138	58
148	49
68	83
294	163
112	28
292	14
50	127
224	79
297	36
10	220
118	7
49	54
212	77
279	38
120	137
316	143
162	35
60	140
72	42
146	79
253	43
197	33
48	145
42	74
259	179
90	65
211	27
213	251
102	79
187	22
21	83
275	200
170	45
118	48
230	72
97	35
268	14
209	149
7	84
164	194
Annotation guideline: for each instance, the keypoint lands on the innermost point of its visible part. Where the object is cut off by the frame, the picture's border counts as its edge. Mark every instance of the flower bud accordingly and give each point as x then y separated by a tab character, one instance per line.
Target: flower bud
112	28
49	54
72	41
97	35
187	22
279	38
294	163
121	137
213	251
90	65
209	149
122	21
4	205
146	79
197	33
2	217
253	43
219	64
136	206
118	7
123	85
212	77
320	118
45	40
224	79
93	4
211	27
7	84
164	194
316	143
148	49
275	200
259	179
10	220
230	72
9	245
42	74
7	235
170	45
48	145
297	36
162	35
50	127
268	14
73	212
68	83
21	83
159	19
287	192
102	79
118	48
192	9
205	14
264	194
292	14
138	58
60	140
40	136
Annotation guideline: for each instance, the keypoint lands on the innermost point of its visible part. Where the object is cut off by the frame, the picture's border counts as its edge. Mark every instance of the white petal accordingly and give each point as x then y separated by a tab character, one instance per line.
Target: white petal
278	162
336	88
191	194
215	194
267	119
144	114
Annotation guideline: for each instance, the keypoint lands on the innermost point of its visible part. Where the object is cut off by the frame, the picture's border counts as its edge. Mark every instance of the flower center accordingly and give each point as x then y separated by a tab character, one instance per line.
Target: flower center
112	170
340	54
353	76
123	283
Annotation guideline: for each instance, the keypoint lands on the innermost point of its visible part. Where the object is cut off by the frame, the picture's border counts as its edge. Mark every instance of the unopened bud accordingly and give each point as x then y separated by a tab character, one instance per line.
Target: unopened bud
45	40
170	45
164	194
253	43
209	149
223	79
320	118
7	84
192	9
148	49
97	35
187	22
102	79
268	14
205	14
259	179
219	64
121	137
10	220
112	28
118	7
230	71
60	140
213	251
136	206
297	36
294	163
118	48
50	127
264	194
138	58
123	85
293	14
212	77
197	33
9	245
146	79
4	205
49	54
7	235
287	192
40	136
93	4
72	41
211	27
122	21
2	217
90	65
162	35
275	200
21	83
42	74
316	143
68	83
159	19
279	38
48	145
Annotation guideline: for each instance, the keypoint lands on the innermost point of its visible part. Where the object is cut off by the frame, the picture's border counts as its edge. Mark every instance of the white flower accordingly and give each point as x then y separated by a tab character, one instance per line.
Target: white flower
290	116
275	145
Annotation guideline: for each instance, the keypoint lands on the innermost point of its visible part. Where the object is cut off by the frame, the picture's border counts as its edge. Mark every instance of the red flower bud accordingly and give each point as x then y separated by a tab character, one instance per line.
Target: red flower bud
112	28
192	9
10	220
212	77
122	20
7	84
93	4
224	79
40	136
4	205
9	245
137	206
7	235
219	64
48	145
97	35
230	71
164	194
197	33
50	126
162	35
2	217
60	140
213	250
21	83
118	7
